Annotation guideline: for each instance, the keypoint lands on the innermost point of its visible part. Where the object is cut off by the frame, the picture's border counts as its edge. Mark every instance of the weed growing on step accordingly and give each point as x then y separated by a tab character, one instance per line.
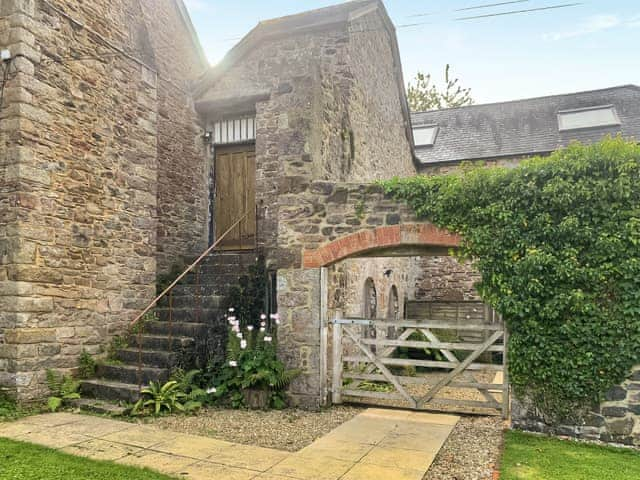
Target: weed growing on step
87	365
63	388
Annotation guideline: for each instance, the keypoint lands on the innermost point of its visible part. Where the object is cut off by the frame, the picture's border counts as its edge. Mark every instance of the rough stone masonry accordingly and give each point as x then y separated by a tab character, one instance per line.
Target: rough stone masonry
89	136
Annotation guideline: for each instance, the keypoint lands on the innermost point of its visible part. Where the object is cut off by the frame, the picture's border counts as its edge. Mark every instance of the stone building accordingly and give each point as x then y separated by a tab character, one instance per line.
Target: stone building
308	102
101	173
123	155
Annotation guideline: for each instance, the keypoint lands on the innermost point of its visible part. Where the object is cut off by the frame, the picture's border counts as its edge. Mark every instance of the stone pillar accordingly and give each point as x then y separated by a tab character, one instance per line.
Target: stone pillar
17	302
299	334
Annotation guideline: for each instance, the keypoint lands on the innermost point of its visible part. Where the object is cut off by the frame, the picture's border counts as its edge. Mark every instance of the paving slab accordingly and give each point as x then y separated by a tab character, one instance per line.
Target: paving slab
211	471
377	444
101	450
161	462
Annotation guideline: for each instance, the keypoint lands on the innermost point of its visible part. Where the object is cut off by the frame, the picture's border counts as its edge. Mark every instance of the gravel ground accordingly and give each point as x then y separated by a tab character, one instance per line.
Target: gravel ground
289	430
471	452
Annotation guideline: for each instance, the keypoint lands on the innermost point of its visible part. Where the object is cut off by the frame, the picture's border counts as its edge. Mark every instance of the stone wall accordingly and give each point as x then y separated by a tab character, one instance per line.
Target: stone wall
183	167
80	127
443	278
331	221
616	420
362	135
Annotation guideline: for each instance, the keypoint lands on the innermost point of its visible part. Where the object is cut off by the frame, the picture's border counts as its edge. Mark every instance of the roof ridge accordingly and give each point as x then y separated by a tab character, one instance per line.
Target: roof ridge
519	100
314	11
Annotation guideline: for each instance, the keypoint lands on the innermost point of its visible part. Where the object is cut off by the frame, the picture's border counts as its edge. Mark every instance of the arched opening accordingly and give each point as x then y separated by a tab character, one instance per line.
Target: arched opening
370	300
389	241
393	311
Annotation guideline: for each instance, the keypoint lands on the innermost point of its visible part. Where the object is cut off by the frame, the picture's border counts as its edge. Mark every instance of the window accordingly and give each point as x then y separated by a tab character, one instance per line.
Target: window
234	130
425	136
591	117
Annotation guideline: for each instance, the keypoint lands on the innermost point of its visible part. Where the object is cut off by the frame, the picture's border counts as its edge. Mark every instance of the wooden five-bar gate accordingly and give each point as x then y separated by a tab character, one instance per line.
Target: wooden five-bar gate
422	365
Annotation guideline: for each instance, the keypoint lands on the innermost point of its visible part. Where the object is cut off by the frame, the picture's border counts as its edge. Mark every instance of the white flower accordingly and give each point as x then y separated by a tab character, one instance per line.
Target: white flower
275	316
243	344
267	339
239	334
233	363
232	318
263	317
211	390
232	309
250	327
262	329
236	328
263	324
277	322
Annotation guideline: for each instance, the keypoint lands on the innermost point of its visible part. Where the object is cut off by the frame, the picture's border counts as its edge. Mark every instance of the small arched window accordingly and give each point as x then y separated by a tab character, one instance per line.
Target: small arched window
370	299
394	305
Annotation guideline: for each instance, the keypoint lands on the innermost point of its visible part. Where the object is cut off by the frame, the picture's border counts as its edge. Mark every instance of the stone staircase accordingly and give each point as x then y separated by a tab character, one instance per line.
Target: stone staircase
197	325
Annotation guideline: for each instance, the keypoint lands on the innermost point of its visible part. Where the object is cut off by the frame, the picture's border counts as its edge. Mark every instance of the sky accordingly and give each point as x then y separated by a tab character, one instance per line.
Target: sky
595	44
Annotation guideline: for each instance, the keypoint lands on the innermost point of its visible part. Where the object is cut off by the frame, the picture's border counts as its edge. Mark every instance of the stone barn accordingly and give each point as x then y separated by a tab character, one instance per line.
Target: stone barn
124	156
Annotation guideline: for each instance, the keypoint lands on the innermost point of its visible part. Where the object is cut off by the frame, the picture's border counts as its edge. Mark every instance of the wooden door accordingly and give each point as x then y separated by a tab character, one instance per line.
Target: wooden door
235	188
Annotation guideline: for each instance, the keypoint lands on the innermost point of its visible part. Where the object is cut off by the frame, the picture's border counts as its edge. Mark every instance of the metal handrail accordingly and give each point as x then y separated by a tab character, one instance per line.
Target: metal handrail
189	268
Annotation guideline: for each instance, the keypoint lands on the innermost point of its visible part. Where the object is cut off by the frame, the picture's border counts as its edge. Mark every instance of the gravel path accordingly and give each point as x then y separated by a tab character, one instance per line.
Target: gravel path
471	452
289	430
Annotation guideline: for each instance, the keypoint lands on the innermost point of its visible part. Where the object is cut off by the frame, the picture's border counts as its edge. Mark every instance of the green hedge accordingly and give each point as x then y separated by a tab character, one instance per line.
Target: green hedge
557	242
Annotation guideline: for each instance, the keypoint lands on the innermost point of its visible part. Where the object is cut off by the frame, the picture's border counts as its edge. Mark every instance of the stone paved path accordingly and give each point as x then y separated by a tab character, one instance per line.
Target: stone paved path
377	444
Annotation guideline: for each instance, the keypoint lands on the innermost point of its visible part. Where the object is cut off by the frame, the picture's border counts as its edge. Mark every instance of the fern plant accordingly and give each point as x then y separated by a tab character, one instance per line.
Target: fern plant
63	388
87	365
189	383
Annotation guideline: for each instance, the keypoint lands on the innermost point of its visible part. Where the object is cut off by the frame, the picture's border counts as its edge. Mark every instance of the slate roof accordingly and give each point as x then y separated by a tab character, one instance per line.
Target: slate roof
522	127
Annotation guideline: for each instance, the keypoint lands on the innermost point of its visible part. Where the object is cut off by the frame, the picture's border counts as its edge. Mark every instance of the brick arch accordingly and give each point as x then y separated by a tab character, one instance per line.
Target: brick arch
404	239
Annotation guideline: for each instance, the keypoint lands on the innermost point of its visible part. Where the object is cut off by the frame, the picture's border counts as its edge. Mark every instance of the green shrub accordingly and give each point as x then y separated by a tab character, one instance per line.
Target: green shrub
8	407
557	242
248	297
252	363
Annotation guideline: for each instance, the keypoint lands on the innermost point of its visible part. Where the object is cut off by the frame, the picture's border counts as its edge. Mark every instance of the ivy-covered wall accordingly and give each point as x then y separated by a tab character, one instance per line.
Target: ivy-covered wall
556	241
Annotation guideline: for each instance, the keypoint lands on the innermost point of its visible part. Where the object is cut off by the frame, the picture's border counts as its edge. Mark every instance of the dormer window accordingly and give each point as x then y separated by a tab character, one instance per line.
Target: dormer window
590	117
425	135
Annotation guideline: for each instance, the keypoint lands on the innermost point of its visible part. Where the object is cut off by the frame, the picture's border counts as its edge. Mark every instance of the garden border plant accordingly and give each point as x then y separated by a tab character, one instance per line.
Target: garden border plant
557	243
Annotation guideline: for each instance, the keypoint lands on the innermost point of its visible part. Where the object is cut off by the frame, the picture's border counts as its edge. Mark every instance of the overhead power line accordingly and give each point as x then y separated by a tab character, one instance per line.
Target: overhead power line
514	12
489	5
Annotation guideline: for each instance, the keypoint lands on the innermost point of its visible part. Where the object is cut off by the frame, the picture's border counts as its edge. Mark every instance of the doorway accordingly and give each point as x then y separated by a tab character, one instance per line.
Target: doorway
235	196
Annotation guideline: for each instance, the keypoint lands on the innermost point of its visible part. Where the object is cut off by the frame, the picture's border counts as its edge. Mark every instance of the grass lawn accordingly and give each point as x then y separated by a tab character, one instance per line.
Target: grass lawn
24	461
531	457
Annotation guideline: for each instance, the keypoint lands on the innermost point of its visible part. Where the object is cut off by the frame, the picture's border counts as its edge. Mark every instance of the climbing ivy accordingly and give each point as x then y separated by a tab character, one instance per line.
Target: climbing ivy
557	243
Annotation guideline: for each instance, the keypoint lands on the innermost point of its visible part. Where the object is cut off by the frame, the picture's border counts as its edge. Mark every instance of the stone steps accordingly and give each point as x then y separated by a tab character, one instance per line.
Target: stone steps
193	300
162	342
189	315
176	328
150	358
197	304
101	407
133	374
110	390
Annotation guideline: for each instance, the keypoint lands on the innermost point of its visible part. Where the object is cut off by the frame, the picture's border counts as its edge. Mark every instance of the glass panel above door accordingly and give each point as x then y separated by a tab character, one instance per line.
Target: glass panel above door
234	130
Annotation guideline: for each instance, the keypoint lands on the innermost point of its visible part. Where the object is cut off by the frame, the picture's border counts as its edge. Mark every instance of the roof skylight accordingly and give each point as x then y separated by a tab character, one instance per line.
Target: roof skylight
591	117
425	136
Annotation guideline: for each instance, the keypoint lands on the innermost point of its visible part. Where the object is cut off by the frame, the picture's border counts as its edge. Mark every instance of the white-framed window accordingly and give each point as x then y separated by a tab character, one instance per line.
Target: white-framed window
590	117
425	136
234	130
